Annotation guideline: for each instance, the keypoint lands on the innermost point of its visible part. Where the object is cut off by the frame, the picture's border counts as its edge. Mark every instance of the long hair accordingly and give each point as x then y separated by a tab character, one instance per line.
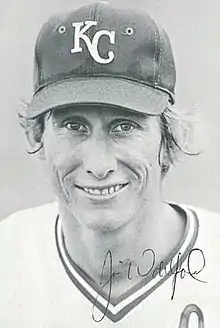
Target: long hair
175	132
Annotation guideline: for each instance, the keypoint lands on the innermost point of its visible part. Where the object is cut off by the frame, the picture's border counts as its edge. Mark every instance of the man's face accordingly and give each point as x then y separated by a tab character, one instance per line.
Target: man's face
104	163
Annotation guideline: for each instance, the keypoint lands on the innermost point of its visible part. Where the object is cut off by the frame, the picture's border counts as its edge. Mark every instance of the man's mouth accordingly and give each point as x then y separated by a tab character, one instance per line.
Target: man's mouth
97	191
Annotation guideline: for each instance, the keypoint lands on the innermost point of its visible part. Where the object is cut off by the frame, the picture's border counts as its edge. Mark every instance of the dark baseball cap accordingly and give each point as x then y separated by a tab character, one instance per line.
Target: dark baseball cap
98	54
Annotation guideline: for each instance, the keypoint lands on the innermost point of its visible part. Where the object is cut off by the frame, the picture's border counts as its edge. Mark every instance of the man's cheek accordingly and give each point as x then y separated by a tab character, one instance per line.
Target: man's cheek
57	168
64	171
56	179
64	158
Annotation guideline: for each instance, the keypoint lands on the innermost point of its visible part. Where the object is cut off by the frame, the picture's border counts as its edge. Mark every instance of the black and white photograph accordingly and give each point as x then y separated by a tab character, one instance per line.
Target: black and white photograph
110	180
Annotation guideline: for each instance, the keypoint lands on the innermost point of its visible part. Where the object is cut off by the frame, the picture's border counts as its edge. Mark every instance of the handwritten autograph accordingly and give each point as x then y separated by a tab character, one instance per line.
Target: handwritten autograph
160	270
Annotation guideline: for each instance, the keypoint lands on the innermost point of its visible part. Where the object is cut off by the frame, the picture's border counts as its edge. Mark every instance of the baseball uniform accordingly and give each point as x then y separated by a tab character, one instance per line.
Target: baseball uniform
42	287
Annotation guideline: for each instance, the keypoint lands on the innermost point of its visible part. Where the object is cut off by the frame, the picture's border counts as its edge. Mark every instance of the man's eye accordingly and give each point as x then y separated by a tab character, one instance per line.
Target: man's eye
123	127
77	127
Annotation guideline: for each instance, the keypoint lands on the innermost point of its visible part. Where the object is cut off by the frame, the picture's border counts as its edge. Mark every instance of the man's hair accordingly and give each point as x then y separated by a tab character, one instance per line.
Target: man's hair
174	135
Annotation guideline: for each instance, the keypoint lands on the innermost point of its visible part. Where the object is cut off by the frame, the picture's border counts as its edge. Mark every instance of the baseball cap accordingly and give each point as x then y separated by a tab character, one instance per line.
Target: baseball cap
98	54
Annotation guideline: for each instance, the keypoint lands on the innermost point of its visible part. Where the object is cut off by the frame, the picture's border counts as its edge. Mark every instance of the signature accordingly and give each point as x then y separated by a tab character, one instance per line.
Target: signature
174	268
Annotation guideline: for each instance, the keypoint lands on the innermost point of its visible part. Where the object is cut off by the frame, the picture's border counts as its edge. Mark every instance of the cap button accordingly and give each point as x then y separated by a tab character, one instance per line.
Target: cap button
62	29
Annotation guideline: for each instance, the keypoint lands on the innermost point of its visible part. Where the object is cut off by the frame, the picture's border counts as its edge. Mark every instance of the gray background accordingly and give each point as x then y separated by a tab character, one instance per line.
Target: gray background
193	27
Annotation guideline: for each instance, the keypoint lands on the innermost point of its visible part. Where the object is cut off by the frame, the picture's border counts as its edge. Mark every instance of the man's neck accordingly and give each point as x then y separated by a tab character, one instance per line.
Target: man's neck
89	249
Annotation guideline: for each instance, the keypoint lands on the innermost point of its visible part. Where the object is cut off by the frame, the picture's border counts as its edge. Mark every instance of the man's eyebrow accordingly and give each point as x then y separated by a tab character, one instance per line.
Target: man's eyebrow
61	117
130	115
110	112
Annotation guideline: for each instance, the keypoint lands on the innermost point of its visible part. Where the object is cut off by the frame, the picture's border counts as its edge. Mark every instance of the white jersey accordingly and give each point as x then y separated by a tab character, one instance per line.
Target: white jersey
41	288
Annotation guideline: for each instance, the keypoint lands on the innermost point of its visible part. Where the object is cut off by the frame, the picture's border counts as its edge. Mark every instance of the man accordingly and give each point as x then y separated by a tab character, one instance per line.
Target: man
110	250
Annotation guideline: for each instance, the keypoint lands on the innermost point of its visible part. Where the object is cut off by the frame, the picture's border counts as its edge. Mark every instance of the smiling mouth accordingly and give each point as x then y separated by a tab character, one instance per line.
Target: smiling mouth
103	191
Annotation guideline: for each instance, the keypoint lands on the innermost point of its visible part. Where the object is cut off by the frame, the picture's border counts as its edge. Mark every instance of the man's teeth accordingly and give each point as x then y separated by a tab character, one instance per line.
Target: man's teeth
117	188
104	191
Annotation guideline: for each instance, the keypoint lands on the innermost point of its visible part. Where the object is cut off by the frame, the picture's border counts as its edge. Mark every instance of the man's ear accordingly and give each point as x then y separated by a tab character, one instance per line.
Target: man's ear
34	130
35	147
164	159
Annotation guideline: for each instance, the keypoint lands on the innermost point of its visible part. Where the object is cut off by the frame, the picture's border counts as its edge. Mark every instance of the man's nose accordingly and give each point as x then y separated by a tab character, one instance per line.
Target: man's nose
100	161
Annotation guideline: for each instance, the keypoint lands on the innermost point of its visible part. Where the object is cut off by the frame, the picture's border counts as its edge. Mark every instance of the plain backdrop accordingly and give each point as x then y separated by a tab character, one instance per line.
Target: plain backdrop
194	30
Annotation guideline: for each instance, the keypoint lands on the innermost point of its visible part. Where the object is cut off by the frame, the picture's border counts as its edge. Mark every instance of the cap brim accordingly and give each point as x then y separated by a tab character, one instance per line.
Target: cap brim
102	90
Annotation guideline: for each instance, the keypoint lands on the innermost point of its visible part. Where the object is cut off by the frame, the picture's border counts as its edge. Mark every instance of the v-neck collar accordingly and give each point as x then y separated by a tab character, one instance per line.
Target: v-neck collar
116	312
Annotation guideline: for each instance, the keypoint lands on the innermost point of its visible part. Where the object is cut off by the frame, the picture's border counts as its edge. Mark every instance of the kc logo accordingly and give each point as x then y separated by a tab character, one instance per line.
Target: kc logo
92	45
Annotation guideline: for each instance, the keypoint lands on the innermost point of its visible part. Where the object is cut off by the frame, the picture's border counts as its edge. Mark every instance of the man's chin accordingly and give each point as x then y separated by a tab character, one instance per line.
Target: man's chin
103	227
103	222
